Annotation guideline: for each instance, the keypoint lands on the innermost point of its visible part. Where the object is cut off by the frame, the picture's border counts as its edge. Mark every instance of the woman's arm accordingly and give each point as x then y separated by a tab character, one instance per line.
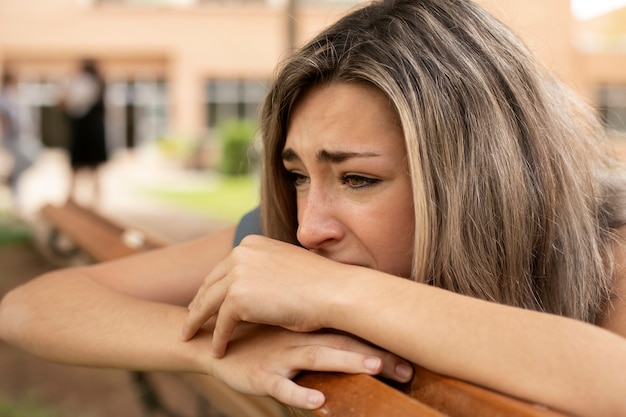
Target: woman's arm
128	314
124	313
563	363
566	364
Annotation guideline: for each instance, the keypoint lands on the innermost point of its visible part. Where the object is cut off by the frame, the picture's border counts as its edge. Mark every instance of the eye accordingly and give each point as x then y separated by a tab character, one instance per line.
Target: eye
358	181
298	179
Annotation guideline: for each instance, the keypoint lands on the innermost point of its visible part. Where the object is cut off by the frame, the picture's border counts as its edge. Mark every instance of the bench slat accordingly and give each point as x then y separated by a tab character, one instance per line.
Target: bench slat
359	395
100	238
461	399
429	394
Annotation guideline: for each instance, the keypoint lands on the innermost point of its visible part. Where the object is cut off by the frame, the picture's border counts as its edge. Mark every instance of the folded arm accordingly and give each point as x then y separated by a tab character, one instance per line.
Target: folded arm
563	363
129	313
124	313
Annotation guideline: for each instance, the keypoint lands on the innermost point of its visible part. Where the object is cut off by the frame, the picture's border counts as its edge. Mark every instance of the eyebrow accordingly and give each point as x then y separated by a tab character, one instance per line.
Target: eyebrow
328	156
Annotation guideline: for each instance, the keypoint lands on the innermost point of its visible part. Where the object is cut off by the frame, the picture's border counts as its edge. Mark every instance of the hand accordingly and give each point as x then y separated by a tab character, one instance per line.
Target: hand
262	360
264	281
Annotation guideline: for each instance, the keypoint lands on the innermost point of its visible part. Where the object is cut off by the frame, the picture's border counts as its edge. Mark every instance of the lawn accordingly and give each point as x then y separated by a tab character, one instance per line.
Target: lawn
224	198
13	231
29	407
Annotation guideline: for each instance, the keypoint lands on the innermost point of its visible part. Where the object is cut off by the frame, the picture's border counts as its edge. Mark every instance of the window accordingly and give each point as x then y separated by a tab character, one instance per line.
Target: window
137	112
612	105
39	114
227	99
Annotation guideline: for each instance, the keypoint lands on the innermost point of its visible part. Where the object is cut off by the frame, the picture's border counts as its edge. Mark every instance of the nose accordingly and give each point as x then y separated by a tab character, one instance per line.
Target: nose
319	226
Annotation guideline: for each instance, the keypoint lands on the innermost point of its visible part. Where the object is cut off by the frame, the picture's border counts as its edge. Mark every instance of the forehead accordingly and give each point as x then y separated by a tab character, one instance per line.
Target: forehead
341	113
340	97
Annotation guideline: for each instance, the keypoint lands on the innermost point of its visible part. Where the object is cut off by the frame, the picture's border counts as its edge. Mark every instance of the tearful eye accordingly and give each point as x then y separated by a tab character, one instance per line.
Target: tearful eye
298	179
358	181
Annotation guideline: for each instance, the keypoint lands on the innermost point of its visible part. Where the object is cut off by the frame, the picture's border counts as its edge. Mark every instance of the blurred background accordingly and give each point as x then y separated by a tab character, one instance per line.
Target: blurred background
184	80
183	76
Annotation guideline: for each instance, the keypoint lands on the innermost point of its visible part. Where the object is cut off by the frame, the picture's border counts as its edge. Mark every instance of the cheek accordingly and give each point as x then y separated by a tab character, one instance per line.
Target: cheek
394	240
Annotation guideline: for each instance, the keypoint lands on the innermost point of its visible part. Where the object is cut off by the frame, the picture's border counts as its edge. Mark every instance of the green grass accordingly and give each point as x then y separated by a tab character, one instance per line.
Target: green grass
29	407
226	198
13	232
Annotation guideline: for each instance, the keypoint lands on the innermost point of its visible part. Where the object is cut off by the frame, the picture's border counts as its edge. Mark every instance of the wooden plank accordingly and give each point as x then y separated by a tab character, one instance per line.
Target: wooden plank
461	399
100	238
359	396
429	394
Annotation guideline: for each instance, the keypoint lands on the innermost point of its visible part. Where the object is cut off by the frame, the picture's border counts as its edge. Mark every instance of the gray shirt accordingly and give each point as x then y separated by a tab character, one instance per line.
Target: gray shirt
250	224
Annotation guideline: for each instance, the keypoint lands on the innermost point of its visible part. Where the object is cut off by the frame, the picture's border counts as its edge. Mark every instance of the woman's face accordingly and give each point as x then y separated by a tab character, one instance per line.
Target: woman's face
347	160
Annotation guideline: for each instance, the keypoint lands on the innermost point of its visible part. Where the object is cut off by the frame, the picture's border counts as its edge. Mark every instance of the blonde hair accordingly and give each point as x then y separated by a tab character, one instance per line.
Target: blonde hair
514	200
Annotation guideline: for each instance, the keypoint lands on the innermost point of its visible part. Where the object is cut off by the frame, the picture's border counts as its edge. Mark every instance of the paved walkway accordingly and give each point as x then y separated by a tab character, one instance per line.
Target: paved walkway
47	181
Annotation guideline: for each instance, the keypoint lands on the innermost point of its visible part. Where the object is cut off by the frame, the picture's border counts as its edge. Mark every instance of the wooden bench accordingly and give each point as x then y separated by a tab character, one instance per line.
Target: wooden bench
429	394
98	237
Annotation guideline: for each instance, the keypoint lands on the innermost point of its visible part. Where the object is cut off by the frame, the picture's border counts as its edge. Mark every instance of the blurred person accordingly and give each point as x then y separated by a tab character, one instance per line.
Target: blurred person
12	136
83	102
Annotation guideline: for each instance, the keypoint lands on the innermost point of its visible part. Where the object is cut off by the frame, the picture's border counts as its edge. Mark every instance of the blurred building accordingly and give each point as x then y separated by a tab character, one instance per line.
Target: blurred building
601	44
178	67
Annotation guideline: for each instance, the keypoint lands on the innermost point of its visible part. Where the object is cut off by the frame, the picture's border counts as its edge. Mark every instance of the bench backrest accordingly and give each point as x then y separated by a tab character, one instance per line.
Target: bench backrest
99	237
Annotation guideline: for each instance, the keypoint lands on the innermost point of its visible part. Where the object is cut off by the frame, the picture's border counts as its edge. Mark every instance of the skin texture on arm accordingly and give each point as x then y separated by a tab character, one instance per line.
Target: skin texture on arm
122	313
567	364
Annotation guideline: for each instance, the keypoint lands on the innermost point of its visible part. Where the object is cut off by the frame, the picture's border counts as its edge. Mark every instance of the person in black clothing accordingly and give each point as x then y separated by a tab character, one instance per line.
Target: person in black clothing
84	106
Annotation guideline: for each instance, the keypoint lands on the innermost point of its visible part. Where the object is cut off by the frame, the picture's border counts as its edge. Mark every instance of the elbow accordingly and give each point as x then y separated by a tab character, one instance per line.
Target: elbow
14	313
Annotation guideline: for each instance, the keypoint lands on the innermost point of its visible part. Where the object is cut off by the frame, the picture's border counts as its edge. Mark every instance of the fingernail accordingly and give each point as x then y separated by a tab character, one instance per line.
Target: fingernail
373	364
404	371
315	400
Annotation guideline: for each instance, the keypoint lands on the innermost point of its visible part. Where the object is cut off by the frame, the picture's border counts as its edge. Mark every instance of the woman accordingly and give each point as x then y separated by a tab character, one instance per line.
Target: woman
85	109
425	186
496	188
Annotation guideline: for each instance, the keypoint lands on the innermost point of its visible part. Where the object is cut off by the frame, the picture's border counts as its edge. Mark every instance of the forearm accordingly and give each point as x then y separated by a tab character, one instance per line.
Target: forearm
566	364
66	317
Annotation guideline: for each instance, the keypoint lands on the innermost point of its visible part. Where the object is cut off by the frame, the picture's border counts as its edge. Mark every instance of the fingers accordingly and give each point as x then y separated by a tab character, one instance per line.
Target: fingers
290	393
392	366
205	304
224	328
395	368
315	358
327	359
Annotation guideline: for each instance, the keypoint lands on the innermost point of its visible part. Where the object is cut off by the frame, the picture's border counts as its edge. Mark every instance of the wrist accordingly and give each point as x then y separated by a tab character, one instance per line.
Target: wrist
349	294
197	351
